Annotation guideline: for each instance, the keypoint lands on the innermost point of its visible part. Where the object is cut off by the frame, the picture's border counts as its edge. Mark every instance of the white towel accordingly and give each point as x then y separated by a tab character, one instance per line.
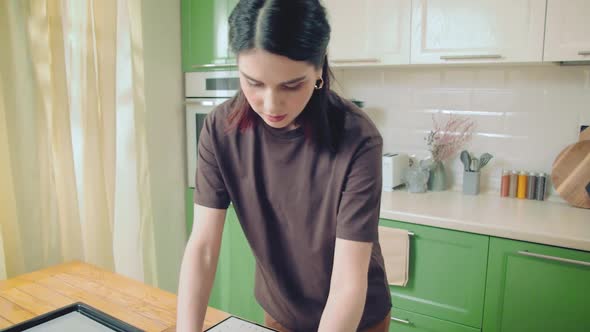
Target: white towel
395	247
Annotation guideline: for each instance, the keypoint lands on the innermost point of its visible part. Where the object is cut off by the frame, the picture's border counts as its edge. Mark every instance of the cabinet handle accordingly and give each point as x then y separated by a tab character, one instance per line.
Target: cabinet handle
584	53
470	57
399	320
553	258
356	60
215	65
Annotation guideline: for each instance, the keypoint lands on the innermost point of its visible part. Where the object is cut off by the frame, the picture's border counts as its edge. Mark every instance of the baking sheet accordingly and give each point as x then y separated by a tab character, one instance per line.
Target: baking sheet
235	324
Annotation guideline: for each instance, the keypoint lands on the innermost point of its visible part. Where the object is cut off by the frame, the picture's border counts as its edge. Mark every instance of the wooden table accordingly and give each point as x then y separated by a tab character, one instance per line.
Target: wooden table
136	303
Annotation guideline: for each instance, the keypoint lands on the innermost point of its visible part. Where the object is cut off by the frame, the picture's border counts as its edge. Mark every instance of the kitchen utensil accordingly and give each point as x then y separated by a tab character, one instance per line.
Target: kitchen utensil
570	171
474	164
484	159
466	160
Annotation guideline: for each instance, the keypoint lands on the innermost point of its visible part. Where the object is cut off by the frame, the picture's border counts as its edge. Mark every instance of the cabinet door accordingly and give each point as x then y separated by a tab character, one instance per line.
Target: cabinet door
189	207
533	287
406	321
446	276
231	57
567	36
205	34
467	31
369	32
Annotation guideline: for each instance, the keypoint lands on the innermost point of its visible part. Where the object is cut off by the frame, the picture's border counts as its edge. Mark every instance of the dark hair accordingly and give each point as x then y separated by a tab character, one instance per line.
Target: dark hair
298	30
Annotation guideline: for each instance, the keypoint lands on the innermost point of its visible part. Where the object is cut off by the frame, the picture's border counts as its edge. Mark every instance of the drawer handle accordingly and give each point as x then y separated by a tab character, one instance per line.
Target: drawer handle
356	60
470	57
215	65
584	53
553	258
399	320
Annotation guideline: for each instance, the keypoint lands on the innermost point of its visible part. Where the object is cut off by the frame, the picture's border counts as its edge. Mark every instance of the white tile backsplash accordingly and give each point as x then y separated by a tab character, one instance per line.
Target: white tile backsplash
525	115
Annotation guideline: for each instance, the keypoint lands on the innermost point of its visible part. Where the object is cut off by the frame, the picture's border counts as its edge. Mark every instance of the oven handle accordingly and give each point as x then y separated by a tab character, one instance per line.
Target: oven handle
205	102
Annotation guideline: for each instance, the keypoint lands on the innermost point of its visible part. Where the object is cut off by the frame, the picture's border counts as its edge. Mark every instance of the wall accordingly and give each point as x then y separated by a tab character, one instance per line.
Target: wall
164	104
525	114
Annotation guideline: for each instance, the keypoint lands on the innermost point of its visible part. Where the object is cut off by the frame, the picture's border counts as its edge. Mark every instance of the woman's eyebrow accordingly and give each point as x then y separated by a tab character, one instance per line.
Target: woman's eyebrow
295	80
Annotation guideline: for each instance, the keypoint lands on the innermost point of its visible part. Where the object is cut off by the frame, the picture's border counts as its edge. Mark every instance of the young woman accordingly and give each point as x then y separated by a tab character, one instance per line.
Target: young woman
302	168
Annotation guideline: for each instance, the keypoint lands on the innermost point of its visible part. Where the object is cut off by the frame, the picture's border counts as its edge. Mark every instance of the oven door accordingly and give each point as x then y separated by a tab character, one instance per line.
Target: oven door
196	112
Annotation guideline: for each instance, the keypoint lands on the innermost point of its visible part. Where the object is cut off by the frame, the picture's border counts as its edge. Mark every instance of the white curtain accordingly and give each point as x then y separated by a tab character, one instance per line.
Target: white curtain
74	173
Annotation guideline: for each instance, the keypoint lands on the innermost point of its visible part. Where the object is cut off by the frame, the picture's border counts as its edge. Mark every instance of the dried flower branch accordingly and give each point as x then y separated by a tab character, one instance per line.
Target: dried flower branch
445	140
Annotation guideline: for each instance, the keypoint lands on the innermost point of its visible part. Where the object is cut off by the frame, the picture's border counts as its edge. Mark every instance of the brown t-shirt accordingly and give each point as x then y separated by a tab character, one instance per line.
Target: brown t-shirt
293	200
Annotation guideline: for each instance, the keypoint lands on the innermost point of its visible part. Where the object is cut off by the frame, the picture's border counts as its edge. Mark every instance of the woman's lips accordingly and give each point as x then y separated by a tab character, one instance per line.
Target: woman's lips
276	118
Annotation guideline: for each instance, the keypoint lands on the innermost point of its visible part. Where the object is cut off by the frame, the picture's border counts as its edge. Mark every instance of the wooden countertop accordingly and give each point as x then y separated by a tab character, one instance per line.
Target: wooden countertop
146	307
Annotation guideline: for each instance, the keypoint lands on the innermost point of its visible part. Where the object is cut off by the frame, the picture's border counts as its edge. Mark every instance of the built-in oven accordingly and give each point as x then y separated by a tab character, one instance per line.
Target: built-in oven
203	92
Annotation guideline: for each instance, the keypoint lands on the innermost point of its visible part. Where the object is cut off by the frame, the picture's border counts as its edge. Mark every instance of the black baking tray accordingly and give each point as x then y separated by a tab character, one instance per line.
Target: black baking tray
94	314
265	328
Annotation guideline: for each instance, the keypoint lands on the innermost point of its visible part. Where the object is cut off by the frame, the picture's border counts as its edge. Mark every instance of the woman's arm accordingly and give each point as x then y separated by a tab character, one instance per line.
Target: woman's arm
356	230
348	286
198	268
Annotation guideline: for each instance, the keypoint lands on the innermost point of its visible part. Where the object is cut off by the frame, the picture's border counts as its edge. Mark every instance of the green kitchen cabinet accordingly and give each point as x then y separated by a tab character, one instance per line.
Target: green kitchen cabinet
534	287
233	288
189	207
406	321
205	35
447	274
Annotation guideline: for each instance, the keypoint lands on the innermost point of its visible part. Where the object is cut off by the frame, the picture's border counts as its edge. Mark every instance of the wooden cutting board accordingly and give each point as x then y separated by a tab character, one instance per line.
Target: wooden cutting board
571	172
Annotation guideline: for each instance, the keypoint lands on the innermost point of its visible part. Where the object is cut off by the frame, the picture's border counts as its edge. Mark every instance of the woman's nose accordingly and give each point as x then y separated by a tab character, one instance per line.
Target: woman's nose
272	103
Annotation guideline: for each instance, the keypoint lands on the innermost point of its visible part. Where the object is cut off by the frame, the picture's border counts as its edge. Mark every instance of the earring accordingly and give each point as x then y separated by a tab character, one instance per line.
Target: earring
319	83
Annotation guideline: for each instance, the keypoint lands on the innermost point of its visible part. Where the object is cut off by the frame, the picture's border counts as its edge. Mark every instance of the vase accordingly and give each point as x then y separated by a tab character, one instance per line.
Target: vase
438	178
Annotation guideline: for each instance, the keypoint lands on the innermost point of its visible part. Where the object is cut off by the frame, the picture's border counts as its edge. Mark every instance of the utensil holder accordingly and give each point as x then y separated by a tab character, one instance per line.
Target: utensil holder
471	183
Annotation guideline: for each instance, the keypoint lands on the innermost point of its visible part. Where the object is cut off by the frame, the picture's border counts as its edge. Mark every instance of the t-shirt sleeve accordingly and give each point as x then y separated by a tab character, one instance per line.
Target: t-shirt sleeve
360	202
210	189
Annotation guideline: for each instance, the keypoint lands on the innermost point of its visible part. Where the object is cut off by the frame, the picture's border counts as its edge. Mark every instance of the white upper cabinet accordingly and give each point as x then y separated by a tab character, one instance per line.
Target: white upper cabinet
478	31
369	32
567	32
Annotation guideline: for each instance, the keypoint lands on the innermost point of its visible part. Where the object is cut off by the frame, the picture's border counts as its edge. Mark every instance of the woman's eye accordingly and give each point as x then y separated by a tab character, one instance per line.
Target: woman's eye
254	84
292	86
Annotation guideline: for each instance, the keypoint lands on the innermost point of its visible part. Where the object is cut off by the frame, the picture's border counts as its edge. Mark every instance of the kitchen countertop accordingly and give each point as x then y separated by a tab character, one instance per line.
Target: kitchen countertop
148	308
544	222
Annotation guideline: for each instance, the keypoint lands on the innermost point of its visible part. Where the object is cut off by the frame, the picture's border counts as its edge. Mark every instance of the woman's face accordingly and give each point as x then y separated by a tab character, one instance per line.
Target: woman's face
276	87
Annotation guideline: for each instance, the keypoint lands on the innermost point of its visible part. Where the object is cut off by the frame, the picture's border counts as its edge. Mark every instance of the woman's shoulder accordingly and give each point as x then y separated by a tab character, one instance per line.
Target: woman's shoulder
217	120
357	126
219	113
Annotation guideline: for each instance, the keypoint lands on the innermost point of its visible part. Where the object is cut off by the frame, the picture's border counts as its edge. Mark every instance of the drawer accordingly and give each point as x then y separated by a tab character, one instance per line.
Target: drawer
406	321
446	275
